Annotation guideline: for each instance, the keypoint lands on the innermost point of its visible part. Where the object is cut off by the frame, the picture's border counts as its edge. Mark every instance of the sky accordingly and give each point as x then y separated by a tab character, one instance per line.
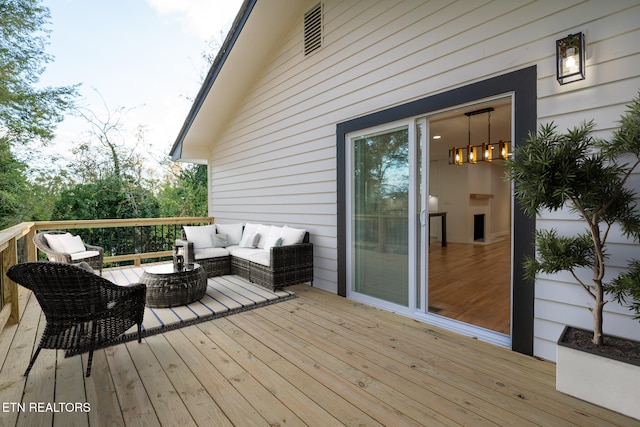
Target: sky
143	56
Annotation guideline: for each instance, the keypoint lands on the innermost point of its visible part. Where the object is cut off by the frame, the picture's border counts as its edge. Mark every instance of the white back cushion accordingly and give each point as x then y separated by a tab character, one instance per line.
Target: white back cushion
200	235
233	232
65	243
292	236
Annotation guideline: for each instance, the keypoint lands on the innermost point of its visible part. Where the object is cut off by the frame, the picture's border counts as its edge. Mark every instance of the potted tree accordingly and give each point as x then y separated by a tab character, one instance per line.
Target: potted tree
593	178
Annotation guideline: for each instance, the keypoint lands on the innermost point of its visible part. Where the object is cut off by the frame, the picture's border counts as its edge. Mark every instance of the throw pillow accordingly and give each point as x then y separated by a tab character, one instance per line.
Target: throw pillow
250	230
200	235
219	240
272	241
249	240
233	232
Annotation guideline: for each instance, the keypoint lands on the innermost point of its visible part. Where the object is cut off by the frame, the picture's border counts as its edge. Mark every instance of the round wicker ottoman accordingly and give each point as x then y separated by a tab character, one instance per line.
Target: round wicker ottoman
169	288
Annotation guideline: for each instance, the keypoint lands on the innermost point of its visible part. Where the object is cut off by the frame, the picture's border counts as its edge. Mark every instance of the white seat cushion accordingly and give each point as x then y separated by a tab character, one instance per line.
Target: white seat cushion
261	258
83	255
204	253
240	252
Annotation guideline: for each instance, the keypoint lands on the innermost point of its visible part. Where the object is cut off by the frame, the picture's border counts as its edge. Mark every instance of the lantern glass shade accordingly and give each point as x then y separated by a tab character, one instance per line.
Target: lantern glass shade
570	58
472	154
487	152
457	156
504	149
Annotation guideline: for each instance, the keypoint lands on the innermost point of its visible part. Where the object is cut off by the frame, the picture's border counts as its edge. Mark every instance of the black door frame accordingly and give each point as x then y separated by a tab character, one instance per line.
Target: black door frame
522	83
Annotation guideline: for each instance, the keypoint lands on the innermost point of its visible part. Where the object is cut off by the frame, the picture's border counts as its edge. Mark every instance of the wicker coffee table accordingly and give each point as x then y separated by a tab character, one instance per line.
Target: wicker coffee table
167	287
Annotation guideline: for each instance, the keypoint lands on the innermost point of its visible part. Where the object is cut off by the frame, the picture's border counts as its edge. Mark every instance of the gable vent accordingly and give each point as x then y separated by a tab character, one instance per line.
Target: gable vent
313	29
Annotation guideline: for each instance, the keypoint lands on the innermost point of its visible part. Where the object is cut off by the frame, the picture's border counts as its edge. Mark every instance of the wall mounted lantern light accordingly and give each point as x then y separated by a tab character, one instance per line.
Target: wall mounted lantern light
570	58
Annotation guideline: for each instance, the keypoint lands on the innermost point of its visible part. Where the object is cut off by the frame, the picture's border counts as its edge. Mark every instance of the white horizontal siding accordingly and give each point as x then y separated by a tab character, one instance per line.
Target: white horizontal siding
276	160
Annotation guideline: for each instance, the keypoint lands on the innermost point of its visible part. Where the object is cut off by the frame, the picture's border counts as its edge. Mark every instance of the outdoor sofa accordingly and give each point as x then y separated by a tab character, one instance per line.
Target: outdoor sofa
268	255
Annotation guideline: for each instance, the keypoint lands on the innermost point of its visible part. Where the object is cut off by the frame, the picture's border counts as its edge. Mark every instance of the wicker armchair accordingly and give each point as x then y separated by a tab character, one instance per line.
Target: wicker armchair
84	311
94	261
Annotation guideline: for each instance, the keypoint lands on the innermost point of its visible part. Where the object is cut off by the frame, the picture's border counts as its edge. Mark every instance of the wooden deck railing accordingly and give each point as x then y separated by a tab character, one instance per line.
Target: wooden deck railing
16	245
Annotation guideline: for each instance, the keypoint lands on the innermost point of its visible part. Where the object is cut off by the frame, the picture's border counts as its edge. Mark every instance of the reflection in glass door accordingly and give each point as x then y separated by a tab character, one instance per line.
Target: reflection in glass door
379	217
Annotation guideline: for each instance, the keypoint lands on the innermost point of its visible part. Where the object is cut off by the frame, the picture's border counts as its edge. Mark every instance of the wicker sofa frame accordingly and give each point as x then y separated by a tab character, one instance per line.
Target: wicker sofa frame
289	265
41	243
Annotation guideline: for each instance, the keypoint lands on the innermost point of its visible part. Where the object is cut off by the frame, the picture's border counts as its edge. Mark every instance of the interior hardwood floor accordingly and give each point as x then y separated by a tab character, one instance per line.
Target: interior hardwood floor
472	283
316	360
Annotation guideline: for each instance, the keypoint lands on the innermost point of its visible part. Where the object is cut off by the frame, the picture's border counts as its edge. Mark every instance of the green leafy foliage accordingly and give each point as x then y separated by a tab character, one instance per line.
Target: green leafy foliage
186	195
106	180
589	177
13	185
27	112
560	253
107	198
626	287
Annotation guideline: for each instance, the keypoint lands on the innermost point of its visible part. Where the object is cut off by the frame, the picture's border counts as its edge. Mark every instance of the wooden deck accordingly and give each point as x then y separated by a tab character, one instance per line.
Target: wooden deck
317	360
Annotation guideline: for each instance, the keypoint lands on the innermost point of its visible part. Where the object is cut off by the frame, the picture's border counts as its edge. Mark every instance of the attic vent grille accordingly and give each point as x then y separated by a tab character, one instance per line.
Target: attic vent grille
313	29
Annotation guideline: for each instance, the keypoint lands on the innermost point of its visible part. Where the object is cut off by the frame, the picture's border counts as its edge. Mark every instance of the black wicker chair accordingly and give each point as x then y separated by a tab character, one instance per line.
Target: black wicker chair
84	311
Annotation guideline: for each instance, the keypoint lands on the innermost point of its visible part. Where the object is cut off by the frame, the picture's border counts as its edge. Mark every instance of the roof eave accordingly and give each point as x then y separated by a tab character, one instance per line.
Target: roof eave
218	63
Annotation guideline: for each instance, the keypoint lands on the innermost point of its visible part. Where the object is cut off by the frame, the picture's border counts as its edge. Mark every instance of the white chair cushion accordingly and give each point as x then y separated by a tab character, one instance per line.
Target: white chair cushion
74	244
233	232
200	235
55	242
83	255
65	243
205	253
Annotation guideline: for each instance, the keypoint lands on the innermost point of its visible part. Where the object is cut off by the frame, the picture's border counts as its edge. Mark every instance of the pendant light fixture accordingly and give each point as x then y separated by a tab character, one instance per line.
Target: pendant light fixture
486	149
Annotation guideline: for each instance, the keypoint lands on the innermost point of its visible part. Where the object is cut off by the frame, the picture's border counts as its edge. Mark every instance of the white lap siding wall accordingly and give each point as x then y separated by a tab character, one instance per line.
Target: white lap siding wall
275	160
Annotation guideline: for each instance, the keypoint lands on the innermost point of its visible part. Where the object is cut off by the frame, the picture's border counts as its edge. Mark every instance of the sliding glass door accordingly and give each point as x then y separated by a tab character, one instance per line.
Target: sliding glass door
412	232
380	223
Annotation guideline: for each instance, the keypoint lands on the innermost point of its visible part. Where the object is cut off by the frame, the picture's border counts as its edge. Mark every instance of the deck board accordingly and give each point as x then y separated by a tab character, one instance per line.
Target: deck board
318	359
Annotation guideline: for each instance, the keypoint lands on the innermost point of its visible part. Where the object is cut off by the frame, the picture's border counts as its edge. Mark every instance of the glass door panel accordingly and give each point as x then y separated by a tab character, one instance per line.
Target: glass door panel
469	271
380	215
